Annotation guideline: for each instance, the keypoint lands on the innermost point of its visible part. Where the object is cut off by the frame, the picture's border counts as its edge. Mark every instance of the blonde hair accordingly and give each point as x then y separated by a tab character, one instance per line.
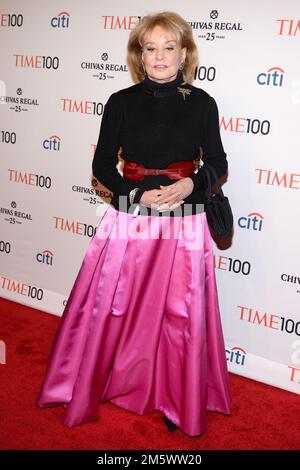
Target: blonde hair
171	22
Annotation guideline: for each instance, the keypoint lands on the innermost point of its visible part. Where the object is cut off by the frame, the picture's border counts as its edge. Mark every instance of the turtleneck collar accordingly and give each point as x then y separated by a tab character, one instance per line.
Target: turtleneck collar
157	89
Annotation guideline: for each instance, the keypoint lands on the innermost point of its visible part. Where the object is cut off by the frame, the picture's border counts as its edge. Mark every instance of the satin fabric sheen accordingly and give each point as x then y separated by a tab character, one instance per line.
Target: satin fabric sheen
142	327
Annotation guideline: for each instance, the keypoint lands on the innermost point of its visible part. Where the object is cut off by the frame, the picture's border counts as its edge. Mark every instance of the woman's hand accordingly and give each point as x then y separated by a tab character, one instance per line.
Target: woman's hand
168	197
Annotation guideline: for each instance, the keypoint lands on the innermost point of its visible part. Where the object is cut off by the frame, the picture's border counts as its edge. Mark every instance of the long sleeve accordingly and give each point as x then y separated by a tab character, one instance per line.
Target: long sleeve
213	152
105	157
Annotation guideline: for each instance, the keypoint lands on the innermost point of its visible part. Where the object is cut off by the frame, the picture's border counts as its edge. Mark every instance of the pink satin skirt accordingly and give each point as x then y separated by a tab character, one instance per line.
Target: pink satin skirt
142	326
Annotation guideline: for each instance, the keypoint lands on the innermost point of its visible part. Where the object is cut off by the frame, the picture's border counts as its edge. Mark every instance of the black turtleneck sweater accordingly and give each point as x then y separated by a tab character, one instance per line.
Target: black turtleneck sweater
156	126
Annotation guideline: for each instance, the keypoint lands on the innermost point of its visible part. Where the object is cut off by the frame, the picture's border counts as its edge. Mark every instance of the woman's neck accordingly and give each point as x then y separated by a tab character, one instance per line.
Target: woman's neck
153	84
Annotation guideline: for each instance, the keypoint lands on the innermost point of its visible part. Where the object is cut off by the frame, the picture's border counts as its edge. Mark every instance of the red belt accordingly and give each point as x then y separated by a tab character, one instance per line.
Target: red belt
175	171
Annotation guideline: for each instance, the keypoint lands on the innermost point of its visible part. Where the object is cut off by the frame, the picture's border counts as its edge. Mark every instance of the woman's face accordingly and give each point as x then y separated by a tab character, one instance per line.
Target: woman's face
162	55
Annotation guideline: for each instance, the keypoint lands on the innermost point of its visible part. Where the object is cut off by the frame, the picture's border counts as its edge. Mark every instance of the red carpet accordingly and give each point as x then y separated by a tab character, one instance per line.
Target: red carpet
263	417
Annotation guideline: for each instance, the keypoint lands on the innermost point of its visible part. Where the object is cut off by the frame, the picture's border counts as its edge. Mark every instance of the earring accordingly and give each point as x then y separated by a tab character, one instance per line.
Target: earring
181	66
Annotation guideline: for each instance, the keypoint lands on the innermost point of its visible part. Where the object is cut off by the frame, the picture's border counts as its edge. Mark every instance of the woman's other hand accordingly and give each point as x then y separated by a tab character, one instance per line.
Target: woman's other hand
168	197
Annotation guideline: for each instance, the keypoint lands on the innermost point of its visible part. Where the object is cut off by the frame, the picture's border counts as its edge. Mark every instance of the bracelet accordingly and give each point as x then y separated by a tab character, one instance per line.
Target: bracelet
132	194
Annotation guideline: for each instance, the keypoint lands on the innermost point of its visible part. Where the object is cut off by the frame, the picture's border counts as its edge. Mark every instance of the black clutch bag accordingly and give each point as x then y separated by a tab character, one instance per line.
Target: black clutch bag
217	207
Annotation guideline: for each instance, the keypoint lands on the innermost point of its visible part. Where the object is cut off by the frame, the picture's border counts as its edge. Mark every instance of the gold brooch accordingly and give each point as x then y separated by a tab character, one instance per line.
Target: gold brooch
184	91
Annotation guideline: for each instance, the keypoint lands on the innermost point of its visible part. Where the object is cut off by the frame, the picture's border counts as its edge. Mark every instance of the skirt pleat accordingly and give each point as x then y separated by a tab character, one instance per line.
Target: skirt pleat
142	325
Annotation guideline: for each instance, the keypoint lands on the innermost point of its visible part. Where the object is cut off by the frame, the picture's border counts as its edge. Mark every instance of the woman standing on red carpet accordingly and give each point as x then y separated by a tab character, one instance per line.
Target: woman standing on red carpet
142	326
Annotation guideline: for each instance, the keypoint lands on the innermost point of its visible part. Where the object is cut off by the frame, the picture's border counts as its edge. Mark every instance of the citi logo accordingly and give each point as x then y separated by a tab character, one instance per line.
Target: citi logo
53	143
236	356
288	27
272	77
62	20
120	22
252	221
45	257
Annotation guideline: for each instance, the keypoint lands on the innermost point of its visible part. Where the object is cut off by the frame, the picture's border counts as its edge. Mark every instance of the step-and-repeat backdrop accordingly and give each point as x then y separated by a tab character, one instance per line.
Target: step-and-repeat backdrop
60	61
